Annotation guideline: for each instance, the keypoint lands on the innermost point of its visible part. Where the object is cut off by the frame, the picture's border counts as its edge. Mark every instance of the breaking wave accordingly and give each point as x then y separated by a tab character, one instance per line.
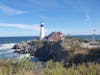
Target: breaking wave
6	46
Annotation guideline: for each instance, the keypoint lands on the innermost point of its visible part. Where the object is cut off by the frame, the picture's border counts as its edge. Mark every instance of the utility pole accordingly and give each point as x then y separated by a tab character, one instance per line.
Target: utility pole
93	39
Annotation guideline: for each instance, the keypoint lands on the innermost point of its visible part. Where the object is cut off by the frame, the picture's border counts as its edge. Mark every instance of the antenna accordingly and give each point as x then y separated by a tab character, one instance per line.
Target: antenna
43	19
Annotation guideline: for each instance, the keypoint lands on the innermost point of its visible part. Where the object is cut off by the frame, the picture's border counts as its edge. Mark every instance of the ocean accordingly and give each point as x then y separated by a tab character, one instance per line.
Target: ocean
87	37
6	43
5	40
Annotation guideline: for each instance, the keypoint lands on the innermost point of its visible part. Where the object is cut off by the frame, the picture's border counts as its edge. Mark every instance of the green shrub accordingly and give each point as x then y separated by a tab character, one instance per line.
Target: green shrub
5	68
54	68
14	66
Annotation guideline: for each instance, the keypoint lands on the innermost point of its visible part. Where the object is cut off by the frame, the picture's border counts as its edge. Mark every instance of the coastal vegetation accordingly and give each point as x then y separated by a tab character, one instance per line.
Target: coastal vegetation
26	67
64	52
62	57
56	68
15	66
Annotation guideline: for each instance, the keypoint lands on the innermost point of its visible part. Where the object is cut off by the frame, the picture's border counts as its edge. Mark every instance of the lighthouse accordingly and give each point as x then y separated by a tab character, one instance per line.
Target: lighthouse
42	32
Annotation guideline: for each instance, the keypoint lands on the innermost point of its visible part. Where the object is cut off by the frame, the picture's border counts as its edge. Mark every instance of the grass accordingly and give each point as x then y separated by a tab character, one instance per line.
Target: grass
25	67
14	67
56	68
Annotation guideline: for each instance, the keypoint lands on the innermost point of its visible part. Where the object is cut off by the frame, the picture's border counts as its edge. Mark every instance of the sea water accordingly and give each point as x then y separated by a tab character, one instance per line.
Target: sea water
6	51
86	37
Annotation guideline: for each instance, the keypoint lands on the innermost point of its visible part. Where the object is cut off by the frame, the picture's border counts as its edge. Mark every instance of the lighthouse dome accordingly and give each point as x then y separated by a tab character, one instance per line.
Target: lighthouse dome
41	25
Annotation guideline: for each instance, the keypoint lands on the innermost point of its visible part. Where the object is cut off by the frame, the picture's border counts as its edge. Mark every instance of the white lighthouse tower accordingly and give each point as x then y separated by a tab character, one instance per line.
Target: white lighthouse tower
42	32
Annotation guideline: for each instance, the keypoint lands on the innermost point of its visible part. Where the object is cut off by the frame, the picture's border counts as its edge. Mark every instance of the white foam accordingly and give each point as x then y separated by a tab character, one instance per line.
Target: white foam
6	46
7	51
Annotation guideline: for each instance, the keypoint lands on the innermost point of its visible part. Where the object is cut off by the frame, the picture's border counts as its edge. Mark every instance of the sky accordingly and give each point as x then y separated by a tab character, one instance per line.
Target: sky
74	17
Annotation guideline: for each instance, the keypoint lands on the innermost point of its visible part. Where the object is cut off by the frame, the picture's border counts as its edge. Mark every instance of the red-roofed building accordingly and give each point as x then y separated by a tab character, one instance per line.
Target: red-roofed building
55	36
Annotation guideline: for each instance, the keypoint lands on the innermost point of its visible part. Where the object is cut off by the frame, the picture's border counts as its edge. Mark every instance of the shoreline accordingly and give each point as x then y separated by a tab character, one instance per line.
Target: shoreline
7	46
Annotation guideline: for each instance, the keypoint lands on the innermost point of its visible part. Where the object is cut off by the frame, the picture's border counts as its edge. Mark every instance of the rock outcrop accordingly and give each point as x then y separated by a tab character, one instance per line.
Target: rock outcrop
64	51
28	47
23	47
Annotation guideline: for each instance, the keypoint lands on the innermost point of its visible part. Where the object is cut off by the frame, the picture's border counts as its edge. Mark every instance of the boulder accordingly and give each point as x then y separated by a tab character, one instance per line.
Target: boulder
23	47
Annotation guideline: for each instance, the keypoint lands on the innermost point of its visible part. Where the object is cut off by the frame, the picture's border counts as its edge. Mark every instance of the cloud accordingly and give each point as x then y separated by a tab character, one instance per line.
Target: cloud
11	11
22	26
